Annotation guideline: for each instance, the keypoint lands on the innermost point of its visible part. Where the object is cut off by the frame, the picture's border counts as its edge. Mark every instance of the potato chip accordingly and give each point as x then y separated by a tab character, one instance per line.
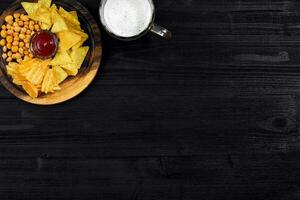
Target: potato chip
61	58
68	16
78	56
30	8
31	90
70	69
68	39
60	74
26	66
37	73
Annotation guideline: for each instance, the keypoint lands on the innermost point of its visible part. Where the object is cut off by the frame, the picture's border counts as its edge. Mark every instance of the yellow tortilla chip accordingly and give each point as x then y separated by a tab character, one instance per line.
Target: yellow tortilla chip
70	69
59	23
54	7
30	8
78	56
84	37
60	74
74	14
46	3
68	39
61	58
42	14
45	26
68	16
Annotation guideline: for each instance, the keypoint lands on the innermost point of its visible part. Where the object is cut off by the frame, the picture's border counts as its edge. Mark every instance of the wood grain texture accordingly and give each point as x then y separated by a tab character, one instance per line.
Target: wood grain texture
212	114
73	86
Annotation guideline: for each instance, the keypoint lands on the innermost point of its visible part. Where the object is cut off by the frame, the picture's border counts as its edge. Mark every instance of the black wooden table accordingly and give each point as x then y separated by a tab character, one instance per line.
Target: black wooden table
212	114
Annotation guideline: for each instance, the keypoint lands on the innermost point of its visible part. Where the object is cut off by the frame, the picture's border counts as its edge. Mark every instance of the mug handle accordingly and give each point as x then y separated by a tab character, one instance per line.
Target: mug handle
163	32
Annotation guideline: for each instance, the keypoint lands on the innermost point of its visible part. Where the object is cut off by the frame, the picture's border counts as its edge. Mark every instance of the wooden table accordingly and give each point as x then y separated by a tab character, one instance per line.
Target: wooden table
212	114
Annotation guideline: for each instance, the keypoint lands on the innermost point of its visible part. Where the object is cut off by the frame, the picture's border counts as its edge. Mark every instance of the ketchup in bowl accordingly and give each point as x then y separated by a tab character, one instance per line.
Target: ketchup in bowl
44	44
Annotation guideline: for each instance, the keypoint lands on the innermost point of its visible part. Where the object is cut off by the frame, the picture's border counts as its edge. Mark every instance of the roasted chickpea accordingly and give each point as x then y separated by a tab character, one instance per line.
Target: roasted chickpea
4	49
16	38
26	23
4	56
9	54
15	24
21	44
9	39
19	60
9	32
22	36
18	56
27	45
14	49
9	59
21	51
21	23
9	18
17	29
23	30
26	40
15	43
28	32
3	27
15	34
24	17
3	33
31	27
36	27
2	42
17	15
8	45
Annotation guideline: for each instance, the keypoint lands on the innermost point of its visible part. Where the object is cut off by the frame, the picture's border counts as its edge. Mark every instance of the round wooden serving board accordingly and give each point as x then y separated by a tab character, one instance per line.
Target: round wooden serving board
73	85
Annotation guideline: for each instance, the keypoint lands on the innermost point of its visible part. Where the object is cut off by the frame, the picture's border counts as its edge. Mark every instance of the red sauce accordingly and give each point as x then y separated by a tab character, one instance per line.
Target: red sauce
43	44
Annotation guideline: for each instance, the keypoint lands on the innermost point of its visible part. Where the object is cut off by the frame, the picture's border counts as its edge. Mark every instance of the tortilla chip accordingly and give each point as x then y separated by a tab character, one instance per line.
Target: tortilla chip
61	58
59	23
74	14
70	69
45	26
30	8
68	39
78	56
68	16
84	37
43	15
54	7
60	74
46	3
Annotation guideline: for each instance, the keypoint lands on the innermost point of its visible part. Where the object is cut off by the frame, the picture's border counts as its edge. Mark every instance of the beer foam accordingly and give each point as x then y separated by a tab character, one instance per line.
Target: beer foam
127	18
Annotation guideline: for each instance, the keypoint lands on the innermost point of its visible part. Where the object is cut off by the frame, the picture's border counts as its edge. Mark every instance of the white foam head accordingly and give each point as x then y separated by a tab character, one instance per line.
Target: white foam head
127	18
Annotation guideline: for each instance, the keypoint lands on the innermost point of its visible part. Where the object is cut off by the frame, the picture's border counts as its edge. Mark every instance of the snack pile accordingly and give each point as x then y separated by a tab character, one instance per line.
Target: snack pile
35	72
